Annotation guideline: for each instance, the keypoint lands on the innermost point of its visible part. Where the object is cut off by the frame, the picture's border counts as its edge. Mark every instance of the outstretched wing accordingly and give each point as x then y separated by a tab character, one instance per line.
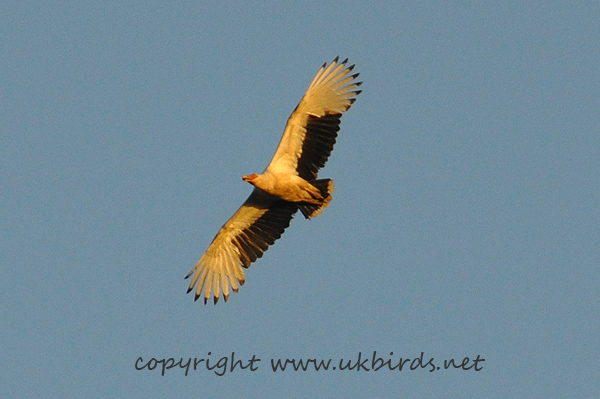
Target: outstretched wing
312	128
244	238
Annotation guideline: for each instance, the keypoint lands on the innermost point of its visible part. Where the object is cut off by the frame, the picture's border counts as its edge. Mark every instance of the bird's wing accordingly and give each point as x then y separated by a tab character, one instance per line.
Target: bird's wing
245	237
312	128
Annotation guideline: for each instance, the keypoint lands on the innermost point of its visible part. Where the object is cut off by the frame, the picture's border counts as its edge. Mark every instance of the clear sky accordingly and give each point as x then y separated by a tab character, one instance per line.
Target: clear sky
465	220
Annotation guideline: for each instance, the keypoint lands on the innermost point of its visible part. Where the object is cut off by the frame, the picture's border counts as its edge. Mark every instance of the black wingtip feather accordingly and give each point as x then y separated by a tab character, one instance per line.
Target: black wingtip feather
336	59
345	61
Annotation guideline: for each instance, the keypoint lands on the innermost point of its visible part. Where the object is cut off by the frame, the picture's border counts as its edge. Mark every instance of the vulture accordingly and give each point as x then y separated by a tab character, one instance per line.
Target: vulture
288	183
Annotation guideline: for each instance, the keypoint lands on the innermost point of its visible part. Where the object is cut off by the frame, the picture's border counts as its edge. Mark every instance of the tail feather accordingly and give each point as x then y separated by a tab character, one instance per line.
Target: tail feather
326	187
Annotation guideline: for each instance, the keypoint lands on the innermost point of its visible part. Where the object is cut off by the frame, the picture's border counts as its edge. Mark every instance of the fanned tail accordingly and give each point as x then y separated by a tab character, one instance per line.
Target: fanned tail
326	187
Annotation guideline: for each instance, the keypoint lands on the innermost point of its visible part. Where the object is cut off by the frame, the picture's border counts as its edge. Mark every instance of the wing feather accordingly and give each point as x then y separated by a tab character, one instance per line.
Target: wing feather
216	283
244	238
311	130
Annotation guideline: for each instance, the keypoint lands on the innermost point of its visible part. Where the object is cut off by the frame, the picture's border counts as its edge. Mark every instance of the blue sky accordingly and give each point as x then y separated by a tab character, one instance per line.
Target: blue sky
464	222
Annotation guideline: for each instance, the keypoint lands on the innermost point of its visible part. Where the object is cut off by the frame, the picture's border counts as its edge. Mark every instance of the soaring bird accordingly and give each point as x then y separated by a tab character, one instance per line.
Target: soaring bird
288	183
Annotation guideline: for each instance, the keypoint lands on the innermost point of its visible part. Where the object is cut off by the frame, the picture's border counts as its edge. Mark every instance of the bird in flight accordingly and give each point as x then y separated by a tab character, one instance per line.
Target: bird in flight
288	183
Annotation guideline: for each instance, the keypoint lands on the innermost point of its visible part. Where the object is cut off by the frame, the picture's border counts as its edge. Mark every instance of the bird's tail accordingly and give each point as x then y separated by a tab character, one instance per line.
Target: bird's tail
325	186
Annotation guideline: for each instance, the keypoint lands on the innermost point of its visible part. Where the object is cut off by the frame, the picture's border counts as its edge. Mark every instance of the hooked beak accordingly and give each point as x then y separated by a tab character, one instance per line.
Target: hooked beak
249	178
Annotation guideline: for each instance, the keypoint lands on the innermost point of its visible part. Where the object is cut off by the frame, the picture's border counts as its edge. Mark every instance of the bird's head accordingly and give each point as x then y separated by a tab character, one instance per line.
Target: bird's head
250	178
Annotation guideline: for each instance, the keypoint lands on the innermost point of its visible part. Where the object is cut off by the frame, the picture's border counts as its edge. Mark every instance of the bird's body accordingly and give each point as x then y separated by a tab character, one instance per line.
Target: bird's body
287	186
288	183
